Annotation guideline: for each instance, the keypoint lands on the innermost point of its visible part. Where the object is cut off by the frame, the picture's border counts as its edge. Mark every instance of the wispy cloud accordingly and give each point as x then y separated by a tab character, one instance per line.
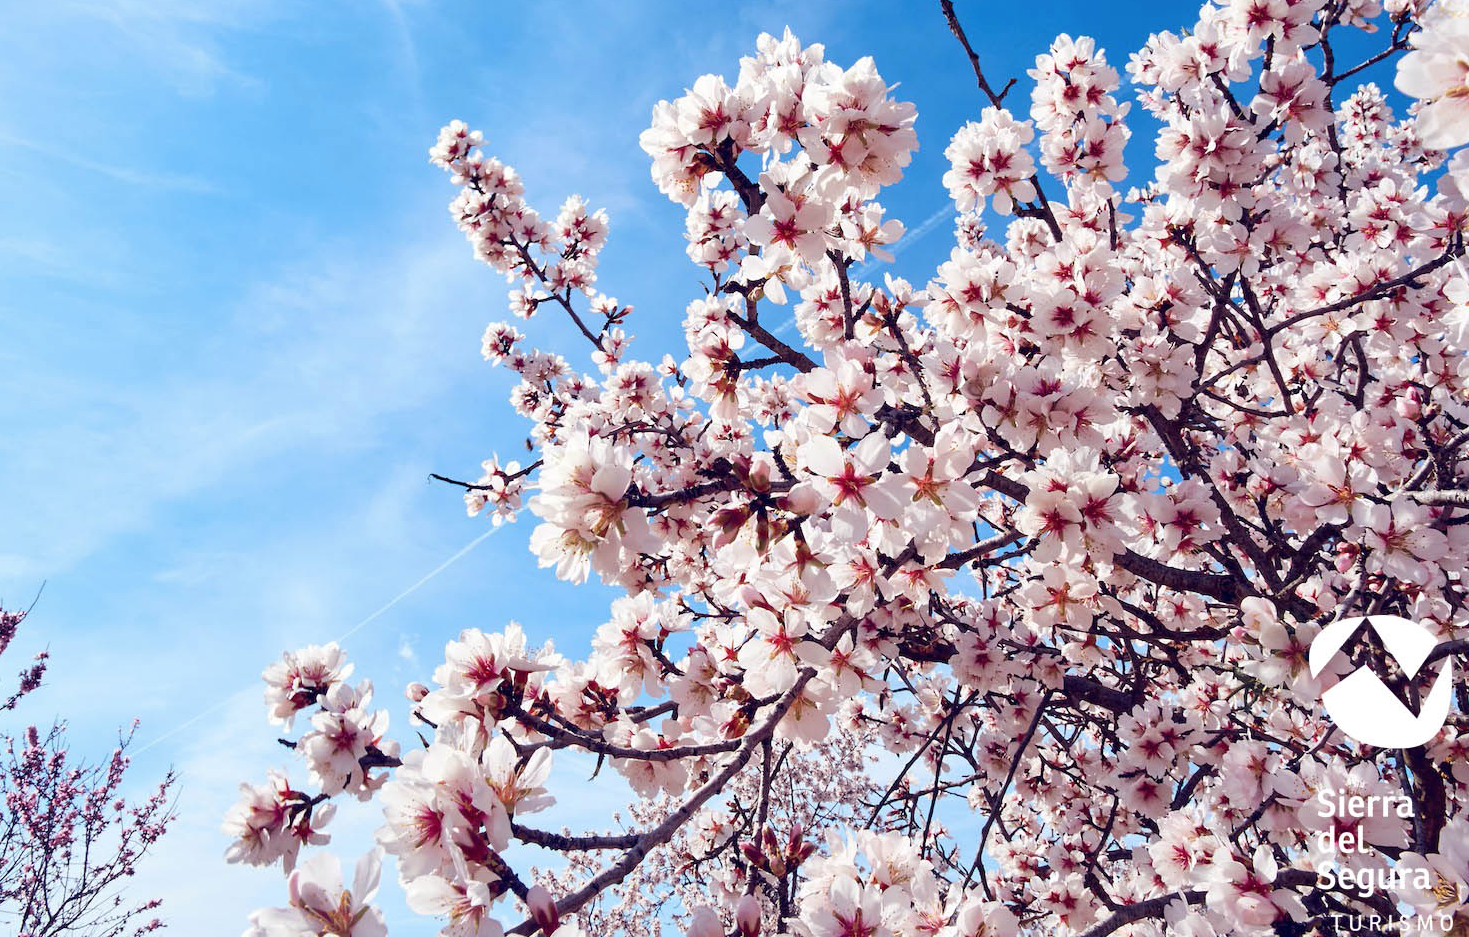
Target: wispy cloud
402	29
41	255
309	359
178	182
179	39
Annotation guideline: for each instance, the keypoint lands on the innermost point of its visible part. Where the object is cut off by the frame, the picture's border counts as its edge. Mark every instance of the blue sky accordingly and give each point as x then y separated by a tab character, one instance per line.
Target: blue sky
240	330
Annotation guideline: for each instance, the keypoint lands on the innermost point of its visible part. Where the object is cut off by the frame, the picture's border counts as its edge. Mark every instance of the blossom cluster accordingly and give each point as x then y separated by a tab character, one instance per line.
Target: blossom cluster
1047	530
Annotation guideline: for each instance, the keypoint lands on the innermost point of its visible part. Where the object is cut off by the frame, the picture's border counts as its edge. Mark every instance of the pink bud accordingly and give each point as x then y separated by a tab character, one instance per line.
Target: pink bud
1410	404
802	499
747	916
760	474
752	853
797	831
543	909
705	923
416	692
768	842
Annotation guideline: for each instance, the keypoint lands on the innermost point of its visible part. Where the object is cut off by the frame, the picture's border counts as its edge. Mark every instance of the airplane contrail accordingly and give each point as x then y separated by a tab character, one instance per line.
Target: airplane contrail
909	237
346	634
945	213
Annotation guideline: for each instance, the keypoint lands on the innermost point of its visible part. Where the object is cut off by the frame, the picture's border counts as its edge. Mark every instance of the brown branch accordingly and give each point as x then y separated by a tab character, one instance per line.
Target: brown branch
1153	907
1042	210
996	804
1458	499
956	560
1376	292
664	831
791	356
561	738
692	493
1221	586
563	843
1447	649
1085	689
998	100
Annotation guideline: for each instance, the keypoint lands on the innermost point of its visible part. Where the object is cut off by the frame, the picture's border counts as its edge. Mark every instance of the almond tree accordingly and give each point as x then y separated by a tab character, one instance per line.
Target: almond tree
1046	532
69	840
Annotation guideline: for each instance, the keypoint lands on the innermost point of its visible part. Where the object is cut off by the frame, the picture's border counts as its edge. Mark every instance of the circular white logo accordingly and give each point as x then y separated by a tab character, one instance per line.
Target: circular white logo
1362	705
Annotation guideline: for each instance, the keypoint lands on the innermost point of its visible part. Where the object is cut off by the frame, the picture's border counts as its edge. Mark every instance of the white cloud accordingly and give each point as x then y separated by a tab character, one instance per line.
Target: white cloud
405	650
310	361
151	179
178	39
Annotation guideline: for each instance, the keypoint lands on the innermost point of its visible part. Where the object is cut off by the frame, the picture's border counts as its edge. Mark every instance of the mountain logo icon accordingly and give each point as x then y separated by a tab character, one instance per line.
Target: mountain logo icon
1362	706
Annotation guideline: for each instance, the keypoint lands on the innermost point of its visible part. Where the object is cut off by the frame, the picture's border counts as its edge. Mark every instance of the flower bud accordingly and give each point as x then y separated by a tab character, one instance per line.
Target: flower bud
752	852
768	841
802	499
760	474
705	923
1410	404
747	916
728	522
415	692
543	909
